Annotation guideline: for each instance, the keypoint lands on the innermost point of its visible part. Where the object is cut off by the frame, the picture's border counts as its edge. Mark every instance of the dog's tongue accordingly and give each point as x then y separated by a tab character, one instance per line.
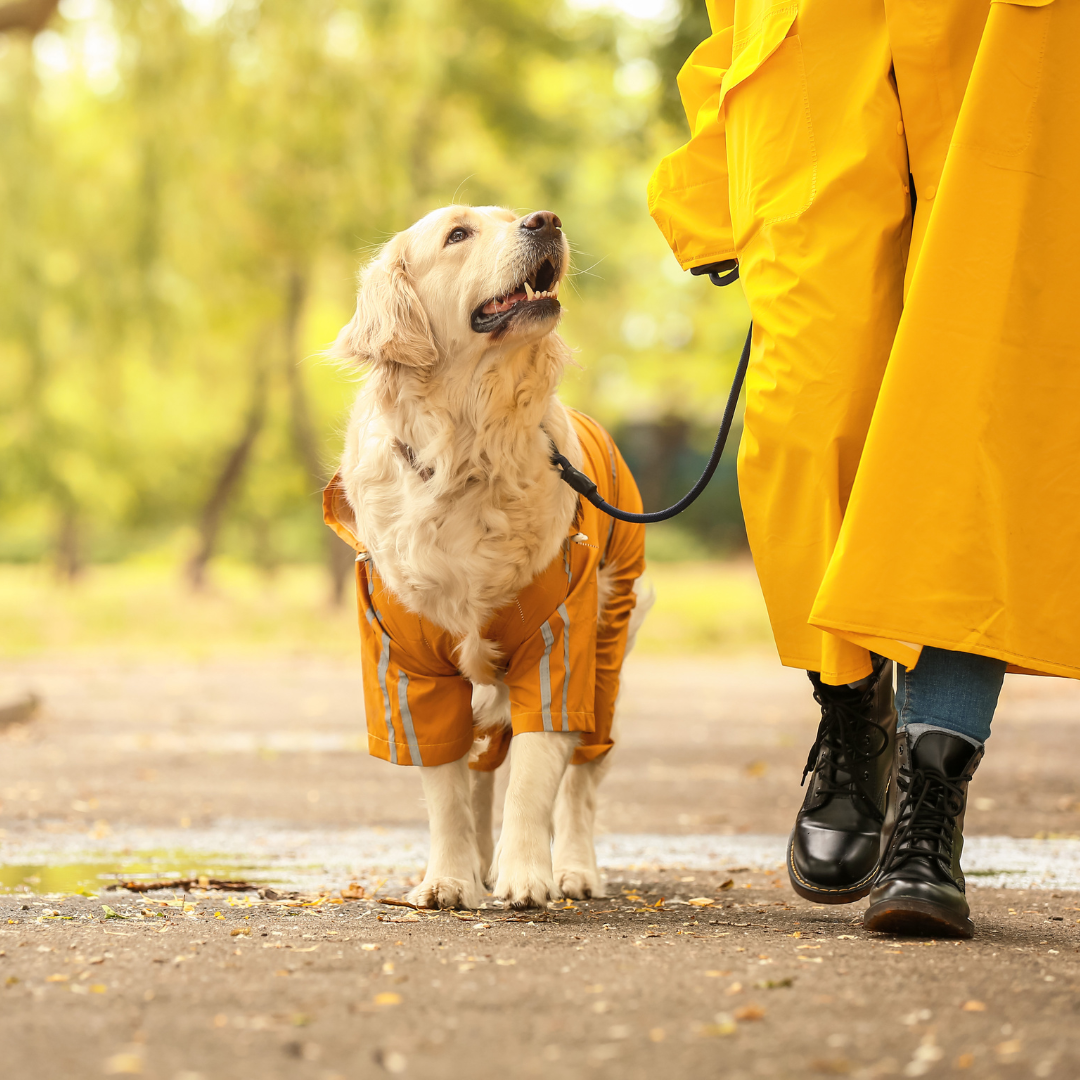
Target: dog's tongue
496	307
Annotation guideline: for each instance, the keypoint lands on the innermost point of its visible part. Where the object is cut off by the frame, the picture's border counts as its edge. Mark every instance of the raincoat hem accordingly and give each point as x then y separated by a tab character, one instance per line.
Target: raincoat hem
833	678
590	752
1018	663
432	753
536	721
704	260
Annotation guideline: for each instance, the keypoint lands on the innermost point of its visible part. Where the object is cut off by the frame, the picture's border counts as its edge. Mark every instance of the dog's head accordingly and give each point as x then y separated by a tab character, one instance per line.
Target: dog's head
458	282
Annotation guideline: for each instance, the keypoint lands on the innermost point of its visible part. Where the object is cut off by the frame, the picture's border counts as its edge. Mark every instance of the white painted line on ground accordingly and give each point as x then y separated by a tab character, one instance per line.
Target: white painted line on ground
310	857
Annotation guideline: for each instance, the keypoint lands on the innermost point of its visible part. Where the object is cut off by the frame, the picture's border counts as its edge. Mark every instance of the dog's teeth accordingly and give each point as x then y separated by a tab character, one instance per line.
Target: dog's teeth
529	291
555	291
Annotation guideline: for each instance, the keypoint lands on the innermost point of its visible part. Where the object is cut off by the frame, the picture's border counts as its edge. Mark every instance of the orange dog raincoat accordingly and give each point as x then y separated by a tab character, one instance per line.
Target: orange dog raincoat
561	664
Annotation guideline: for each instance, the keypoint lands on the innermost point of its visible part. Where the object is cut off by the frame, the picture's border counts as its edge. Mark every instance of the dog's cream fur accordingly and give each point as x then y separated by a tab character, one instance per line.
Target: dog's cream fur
457	531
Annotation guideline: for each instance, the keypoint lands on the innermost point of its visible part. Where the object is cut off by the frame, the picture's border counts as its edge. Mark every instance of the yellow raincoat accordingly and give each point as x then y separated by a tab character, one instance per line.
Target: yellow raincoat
910	465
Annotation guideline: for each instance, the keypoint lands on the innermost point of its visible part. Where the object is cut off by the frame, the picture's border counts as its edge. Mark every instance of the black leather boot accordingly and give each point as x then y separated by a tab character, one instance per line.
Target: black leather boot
836	846
920	890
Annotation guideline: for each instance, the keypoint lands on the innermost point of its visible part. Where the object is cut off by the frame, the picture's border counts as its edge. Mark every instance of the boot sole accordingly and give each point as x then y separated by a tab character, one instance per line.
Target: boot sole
916	918
817	894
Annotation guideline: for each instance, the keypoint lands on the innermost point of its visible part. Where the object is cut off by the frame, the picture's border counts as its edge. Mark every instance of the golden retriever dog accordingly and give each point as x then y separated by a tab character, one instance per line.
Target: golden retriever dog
476	560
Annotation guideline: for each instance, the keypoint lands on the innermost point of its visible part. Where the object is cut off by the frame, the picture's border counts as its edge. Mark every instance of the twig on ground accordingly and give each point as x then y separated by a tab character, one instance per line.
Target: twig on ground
187	884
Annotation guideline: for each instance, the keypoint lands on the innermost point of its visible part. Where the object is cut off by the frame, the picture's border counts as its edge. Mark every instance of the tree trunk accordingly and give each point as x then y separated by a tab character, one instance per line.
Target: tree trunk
69	563
31	15
339	556
232	471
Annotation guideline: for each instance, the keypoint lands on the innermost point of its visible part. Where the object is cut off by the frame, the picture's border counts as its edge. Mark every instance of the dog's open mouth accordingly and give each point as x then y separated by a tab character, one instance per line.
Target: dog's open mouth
538	294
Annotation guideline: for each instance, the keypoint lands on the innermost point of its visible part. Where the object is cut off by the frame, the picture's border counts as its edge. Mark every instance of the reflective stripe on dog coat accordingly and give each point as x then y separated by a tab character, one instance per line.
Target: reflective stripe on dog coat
560	666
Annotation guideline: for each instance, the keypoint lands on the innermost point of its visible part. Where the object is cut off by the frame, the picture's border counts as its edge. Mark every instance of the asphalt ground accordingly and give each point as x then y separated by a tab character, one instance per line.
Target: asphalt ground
757	984
160	986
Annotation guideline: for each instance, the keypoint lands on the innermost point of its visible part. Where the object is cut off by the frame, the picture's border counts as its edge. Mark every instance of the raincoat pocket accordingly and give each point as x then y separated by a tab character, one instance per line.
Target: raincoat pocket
772	159
1000	122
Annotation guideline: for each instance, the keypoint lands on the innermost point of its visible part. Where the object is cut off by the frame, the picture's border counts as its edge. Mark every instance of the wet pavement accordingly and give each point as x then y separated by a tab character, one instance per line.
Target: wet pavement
257	770
727	975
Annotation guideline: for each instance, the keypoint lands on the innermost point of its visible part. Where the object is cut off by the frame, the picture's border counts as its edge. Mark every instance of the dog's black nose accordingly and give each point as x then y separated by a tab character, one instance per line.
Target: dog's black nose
543	221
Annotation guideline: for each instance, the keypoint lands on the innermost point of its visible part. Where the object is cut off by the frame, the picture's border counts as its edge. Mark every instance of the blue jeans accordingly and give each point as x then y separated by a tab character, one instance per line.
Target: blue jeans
953	690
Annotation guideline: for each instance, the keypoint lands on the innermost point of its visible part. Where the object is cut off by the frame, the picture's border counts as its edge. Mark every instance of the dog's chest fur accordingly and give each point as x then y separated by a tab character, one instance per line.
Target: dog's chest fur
461	528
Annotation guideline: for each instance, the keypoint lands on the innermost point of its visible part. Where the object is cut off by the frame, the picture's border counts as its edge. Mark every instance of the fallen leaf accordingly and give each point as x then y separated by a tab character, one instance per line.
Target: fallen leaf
729	884
505	963
355	891
98	988
240	932
974	1006
370	947
391	902
775	984
659	903
752	1011
387	998
58	978
701	901
110	914
128	1064
724	1026
833	1066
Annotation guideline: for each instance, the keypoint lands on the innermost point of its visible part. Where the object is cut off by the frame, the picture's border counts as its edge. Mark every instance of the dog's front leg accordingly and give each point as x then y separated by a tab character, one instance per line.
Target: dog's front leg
522	867
483	804
452	879
574	858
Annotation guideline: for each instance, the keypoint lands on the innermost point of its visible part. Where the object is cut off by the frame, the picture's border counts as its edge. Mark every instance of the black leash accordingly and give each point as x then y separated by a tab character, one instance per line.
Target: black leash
719	274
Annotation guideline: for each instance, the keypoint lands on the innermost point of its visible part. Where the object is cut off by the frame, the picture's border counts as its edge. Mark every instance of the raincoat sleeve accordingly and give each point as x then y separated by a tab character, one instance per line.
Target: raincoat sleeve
688	192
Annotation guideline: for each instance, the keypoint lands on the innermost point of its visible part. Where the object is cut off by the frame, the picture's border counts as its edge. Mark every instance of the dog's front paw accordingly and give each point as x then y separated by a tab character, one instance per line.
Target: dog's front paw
445	892
579	883
524	886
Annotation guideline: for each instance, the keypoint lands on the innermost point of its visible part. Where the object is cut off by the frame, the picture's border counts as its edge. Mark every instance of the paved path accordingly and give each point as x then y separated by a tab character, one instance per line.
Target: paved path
259	768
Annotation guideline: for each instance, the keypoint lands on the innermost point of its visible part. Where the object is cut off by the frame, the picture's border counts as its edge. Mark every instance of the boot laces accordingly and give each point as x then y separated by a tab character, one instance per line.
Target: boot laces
928	818
852	739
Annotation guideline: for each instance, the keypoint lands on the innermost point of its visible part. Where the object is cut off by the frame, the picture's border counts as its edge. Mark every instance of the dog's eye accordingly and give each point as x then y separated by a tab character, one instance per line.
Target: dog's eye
457	235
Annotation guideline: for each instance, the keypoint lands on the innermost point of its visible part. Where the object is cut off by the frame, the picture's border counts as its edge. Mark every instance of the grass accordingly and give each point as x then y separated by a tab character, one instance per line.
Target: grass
146	609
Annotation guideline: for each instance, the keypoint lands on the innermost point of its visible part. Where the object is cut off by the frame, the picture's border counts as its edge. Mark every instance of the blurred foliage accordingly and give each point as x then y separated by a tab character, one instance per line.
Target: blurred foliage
188	186
140	610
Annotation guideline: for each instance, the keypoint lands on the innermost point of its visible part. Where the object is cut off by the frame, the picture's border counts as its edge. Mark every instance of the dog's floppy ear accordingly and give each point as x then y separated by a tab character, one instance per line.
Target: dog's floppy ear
390	323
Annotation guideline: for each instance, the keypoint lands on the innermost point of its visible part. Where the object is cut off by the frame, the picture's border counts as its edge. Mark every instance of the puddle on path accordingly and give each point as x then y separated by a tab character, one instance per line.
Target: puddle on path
94	877
316	859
